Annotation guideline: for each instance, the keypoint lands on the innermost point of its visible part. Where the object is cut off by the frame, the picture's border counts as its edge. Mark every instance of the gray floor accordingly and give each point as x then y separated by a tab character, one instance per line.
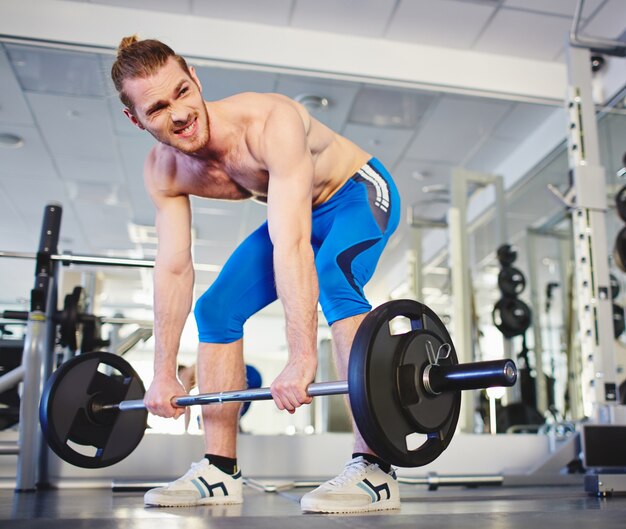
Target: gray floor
499	507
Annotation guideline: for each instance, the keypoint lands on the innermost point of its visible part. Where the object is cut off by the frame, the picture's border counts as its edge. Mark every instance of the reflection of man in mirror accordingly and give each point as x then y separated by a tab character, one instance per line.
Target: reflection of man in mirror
331	208
188	379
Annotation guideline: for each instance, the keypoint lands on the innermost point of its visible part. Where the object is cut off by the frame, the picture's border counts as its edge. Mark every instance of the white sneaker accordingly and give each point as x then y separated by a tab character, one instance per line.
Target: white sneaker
203	484
361	487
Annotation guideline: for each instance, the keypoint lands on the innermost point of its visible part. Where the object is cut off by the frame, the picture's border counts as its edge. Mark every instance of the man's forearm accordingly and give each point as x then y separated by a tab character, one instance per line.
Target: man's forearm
297	287
173	294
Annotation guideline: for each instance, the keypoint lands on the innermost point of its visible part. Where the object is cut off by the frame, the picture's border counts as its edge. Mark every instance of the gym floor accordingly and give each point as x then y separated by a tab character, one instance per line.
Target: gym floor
486	507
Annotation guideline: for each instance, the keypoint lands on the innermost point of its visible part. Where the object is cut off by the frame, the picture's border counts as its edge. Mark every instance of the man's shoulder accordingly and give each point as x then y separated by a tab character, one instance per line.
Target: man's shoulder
160	169
161	159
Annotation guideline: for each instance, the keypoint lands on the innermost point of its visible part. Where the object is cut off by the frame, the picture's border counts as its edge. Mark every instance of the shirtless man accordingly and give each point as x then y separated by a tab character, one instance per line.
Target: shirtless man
331	208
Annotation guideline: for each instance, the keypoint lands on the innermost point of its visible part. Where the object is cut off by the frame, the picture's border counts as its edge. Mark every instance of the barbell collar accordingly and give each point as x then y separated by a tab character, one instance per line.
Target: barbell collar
244	395
478	375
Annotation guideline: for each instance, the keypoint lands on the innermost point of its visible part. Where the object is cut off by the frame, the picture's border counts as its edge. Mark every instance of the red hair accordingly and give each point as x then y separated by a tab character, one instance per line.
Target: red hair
138	59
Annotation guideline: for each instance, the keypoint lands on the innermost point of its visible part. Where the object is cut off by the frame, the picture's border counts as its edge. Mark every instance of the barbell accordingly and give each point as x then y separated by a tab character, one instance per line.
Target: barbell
399	383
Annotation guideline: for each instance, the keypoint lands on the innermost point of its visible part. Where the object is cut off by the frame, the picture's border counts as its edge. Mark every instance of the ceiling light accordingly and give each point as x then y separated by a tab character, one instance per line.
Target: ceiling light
313	102
436	188
11	141
383	107
420	175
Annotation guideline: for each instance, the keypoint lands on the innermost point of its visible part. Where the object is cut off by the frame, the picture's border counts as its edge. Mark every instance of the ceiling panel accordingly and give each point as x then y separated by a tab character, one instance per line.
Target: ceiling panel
61	72
218	226
455	127
97	193
388	107
133	151
340	96
10	220
353	17
121	124
555	7
13	106
72	125
447	23
168	6
218	83
490	155
107	226
143	211
30	197
275	12
30	160
523	120
385	144
74	238
423	172
609	22
510	31
90	168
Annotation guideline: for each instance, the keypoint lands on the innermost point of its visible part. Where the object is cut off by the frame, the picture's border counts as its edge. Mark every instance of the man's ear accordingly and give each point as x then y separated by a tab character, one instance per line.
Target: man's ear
133	119
192	72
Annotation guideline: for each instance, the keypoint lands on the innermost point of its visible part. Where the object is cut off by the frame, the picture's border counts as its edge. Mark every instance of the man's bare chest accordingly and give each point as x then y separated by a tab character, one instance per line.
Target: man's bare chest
228	178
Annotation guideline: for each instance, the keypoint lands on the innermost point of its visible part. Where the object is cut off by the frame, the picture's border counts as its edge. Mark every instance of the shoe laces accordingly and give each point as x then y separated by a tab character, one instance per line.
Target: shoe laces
195	466
354	469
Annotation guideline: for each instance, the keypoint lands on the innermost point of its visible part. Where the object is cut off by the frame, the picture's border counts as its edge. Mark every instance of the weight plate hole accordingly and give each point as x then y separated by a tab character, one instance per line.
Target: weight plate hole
85	450
109	371
415	440
399	325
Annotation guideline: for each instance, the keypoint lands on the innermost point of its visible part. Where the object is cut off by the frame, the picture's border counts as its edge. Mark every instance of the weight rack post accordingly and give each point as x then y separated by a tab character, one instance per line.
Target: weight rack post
36	347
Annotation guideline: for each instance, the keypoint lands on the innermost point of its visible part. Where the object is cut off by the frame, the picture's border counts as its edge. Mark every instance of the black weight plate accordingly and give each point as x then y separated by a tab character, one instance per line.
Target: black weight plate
615	286
506	254
511	316
620	203
511	281
377	397
77	434
69	321
619	250
618	321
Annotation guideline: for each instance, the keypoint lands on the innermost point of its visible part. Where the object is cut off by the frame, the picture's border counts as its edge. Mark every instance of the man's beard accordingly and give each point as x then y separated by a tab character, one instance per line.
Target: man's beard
200	140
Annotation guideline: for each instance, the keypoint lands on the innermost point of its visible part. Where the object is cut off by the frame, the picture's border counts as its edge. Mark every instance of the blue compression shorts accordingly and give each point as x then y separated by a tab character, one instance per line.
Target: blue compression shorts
349	232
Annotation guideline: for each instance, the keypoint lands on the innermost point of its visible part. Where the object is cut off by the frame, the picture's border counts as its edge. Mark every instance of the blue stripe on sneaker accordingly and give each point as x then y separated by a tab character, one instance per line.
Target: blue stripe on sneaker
364	487
199	487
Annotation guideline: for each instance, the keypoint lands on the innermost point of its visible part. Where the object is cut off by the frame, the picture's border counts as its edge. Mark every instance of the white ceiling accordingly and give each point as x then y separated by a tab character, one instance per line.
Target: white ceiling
79	149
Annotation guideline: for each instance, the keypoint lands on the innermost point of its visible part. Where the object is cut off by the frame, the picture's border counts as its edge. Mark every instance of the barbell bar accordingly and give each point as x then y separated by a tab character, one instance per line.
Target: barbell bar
67	259
436	379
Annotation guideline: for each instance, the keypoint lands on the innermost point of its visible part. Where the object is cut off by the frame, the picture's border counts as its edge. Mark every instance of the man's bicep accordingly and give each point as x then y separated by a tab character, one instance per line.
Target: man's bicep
291	170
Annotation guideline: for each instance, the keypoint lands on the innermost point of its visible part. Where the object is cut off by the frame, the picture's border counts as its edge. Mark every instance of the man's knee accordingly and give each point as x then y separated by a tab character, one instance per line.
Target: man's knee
217	318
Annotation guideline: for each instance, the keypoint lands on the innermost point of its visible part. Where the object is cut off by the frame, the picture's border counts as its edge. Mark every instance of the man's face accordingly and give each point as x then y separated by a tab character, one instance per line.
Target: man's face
169	106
